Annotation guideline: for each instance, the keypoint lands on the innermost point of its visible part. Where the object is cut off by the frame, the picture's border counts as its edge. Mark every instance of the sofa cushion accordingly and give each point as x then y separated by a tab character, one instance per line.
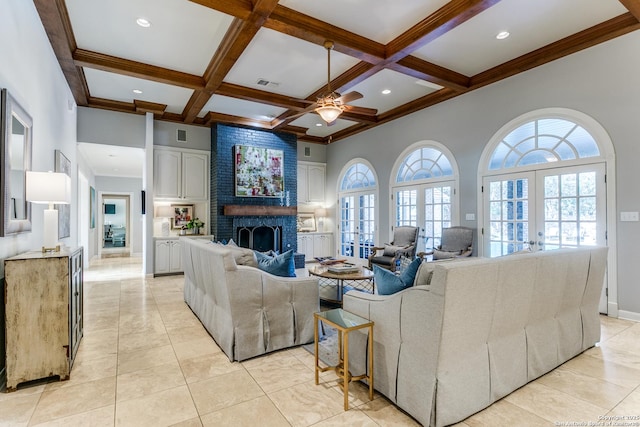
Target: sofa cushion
390	250
389	283
444	254
242	256
280	265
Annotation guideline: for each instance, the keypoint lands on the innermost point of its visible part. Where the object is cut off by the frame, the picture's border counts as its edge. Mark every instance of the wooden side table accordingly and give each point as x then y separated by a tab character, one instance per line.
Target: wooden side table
344	322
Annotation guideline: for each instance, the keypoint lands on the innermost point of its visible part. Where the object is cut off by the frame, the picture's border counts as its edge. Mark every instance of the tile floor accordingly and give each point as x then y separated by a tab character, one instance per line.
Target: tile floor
145	360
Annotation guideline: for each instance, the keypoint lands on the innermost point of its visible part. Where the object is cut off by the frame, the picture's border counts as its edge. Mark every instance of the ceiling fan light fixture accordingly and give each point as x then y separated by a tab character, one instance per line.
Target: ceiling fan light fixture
329	113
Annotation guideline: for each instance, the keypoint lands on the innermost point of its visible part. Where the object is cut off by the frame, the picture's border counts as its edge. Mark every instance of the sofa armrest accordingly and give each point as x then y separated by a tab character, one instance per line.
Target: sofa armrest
407	329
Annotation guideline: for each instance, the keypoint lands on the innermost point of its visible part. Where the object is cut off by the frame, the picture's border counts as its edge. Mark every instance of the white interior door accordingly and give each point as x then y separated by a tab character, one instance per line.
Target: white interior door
545	210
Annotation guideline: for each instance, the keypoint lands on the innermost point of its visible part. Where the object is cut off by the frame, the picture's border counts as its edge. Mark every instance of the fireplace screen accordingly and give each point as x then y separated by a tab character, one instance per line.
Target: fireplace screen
261	238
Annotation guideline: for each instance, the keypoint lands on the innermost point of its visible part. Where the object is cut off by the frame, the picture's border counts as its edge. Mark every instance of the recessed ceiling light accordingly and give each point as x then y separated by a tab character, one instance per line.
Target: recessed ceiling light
319	124
144	23
138	91
386	91
502	35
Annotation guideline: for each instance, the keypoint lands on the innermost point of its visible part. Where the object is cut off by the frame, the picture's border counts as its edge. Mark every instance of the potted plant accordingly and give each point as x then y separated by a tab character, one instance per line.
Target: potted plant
194	225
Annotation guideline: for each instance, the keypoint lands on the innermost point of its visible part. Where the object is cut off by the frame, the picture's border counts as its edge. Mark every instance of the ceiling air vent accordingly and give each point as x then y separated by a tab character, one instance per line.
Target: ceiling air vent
265	82
181	135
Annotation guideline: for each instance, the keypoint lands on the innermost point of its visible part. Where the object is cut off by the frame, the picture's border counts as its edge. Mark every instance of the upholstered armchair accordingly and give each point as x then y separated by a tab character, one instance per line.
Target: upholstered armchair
403	244
455	242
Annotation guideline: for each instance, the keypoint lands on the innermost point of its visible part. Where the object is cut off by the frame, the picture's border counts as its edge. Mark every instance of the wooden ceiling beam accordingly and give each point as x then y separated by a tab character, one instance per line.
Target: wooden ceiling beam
632	6
312	30
212	117
236	40
112	64
423	70
263	97
55	19
597	34
438	23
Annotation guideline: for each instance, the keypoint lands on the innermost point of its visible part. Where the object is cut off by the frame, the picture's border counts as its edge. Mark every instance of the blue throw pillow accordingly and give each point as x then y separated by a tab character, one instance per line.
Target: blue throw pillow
387	282
281	265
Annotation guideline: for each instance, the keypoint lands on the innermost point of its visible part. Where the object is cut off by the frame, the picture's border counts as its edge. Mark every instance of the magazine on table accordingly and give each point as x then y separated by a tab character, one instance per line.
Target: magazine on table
344	267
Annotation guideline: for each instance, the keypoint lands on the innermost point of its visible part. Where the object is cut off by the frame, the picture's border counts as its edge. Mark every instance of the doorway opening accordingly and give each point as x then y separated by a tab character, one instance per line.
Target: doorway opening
115	225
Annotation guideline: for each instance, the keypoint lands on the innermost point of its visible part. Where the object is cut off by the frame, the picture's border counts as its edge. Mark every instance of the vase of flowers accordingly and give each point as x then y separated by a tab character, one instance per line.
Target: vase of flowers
194	225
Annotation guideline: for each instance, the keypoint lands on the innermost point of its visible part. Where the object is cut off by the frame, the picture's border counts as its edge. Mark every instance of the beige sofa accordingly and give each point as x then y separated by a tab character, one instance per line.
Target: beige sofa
247	311
472	331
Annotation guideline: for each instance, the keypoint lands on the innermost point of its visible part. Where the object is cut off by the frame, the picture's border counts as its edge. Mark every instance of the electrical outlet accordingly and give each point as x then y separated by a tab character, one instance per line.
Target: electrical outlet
629	216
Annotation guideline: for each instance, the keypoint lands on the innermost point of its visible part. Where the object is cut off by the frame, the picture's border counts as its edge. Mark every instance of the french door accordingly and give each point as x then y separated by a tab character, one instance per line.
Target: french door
428	206
357	226
544	210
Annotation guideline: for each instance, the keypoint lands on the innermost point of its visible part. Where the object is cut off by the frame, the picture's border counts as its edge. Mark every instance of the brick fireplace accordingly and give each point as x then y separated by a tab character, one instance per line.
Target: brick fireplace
238	218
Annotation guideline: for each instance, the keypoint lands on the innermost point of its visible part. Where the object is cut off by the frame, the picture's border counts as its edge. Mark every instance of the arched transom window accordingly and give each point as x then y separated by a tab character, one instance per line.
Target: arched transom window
543	141
424	163
358	176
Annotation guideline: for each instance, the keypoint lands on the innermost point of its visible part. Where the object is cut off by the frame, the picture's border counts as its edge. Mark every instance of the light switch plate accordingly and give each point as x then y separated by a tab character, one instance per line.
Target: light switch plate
629	216
470	217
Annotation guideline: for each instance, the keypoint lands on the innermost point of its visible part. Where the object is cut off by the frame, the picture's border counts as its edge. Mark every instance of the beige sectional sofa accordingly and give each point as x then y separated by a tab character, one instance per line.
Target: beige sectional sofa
247	311
472	331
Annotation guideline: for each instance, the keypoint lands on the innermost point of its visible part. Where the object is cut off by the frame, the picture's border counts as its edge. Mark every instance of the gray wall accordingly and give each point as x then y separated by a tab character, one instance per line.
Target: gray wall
599	82
30	71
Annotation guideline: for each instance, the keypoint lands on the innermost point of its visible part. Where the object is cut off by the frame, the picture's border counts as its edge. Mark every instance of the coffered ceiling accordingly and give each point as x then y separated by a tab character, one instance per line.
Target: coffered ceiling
260	62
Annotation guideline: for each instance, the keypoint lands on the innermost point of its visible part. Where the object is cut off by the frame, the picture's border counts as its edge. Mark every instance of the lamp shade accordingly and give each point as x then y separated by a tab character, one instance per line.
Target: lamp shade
329	113
48	187
165	211
320	212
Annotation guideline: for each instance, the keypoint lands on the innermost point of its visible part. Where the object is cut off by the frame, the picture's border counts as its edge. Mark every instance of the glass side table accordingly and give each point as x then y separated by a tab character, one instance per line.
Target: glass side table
344	322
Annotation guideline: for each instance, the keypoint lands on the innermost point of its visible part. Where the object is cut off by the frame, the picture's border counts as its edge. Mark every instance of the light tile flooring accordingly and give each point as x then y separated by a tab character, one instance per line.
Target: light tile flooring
145	360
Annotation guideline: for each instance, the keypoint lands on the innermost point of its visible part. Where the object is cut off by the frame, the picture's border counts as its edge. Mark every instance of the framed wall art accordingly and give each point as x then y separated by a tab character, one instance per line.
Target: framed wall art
62	164
306	222
259	172
182	214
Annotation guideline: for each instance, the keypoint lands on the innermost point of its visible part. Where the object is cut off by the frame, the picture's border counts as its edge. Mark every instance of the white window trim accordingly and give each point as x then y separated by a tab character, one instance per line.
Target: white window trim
607	154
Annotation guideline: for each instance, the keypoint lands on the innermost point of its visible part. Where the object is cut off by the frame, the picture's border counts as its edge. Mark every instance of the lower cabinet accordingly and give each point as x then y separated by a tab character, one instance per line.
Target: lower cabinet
314	245
168	256
43	313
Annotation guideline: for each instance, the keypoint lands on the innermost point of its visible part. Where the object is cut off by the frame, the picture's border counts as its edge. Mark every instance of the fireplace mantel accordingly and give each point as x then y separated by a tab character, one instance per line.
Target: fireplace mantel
238	210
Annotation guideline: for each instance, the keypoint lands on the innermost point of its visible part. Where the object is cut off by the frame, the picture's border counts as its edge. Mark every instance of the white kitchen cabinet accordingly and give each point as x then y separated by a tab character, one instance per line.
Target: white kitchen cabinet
323	245
311	182
180	174
314	245
168	256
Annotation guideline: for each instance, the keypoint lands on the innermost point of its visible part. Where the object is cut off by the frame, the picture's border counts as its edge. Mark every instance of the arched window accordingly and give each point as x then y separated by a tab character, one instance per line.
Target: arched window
424	191
541	141
356	177
357	221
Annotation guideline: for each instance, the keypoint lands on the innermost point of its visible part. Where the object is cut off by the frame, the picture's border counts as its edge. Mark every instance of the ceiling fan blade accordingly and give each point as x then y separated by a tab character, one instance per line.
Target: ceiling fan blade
361	110
309	109
351	96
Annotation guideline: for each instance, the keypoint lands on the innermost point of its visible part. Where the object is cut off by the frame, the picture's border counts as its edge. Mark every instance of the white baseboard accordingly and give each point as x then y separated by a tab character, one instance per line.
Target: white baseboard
629	315
612	309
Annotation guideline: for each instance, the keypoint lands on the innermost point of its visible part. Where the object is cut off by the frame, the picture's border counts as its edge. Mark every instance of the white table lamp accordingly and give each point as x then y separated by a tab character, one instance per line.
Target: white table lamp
165	212
321	213
49	188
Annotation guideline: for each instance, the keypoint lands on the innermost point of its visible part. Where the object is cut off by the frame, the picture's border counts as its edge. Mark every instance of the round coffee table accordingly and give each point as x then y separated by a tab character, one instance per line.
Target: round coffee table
333	285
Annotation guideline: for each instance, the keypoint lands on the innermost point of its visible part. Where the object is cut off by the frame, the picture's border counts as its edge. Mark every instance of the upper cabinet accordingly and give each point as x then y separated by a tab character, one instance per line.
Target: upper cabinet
180	174
311	182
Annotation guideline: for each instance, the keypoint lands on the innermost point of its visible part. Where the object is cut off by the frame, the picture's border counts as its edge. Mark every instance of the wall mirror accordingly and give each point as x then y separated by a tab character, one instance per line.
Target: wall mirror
16	130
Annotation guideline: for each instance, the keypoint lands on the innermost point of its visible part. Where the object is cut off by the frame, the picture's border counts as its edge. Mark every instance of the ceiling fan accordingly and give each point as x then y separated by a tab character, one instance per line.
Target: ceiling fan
331	104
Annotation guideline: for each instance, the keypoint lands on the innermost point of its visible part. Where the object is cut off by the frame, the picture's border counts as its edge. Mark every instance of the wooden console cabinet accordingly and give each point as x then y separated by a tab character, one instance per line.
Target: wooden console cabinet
43	314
